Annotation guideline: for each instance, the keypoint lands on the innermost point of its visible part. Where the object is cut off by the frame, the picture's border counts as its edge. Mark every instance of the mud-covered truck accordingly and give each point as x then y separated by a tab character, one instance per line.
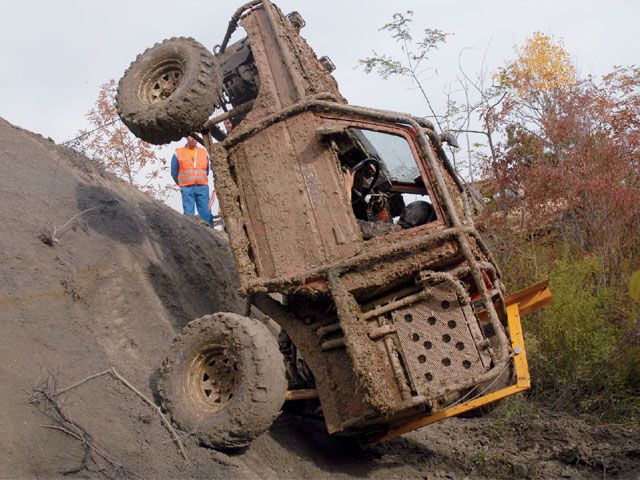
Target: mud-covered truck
349	228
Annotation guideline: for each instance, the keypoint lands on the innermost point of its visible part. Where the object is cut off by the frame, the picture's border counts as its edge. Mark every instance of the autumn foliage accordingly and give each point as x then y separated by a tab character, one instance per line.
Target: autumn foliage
110	143
567	178
570	152
540	66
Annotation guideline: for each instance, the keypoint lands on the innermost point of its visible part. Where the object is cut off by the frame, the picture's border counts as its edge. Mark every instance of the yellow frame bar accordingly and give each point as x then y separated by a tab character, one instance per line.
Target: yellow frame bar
531	298
523	380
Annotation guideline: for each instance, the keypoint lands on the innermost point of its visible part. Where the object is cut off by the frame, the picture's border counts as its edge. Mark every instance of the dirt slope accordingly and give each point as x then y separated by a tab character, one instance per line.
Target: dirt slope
114	292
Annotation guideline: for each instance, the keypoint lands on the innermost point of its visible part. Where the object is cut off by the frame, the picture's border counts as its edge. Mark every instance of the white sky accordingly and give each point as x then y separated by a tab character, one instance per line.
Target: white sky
56	54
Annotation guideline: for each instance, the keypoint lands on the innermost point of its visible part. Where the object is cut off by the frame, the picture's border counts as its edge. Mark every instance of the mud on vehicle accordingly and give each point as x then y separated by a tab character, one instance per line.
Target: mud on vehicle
349	228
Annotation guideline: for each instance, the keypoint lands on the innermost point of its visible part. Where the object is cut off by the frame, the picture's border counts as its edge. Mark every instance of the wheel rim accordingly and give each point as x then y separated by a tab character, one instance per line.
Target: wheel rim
213	378
161	81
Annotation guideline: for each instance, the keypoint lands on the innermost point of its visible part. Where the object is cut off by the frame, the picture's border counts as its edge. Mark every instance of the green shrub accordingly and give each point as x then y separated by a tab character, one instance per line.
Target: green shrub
581	348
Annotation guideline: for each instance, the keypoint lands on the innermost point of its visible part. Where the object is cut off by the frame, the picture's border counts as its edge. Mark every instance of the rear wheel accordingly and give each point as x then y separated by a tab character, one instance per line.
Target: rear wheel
224	380
169	91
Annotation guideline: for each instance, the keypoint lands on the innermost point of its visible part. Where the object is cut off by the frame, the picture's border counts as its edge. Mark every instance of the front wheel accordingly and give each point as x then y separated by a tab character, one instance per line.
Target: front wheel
224	379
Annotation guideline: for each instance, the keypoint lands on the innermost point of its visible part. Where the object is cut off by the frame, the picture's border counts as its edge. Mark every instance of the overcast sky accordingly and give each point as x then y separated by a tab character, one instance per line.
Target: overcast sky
56	54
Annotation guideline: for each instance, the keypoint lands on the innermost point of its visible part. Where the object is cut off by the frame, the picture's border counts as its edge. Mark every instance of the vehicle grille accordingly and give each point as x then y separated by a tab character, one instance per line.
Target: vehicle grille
437	340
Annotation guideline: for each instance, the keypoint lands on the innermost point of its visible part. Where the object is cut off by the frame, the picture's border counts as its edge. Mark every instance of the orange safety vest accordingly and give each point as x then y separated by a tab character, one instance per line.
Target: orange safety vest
192	166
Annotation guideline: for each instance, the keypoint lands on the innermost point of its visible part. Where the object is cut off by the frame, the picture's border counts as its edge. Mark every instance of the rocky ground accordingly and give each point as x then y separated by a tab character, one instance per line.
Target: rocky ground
112	287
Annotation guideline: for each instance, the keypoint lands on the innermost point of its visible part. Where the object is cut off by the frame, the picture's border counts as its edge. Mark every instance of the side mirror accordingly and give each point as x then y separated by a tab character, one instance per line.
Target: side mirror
449	138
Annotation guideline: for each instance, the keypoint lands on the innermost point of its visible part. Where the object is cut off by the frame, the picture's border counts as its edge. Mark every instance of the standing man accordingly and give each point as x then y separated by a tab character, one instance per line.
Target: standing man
190	171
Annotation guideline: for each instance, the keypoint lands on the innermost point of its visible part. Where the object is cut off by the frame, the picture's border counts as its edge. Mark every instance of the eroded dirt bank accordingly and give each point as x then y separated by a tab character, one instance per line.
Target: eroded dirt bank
114	291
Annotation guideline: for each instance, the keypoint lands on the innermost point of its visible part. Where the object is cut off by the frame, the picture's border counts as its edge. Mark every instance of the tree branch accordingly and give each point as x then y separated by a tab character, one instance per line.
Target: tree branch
114	373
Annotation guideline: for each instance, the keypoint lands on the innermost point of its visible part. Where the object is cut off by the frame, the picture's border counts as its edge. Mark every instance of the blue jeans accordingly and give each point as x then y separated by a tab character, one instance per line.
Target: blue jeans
197	196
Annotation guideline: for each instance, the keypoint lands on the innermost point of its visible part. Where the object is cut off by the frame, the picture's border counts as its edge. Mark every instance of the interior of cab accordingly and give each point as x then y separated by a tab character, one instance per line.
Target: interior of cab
384	183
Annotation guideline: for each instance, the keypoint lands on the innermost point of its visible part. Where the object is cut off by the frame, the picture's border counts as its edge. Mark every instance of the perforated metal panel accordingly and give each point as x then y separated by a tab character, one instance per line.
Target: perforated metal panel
437	341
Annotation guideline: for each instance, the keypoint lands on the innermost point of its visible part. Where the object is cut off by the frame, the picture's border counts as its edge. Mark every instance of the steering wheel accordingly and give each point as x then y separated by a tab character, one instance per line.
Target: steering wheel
359	195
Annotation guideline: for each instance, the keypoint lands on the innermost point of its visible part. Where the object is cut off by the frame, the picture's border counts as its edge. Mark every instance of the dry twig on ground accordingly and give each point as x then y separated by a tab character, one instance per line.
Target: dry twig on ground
50	395
47	396
53	236
166	422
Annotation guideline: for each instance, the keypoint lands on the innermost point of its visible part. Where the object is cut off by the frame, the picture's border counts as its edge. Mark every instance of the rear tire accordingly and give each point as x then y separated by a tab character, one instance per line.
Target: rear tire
169	91
224	380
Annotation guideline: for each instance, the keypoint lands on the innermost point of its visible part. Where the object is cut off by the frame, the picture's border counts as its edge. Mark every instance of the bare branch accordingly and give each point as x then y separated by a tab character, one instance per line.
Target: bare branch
114	373
47	394
56	230
77	384
166	422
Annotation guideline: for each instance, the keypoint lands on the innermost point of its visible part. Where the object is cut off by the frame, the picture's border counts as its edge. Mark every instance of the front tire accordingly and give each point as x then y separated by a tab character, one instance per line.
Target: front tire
224	379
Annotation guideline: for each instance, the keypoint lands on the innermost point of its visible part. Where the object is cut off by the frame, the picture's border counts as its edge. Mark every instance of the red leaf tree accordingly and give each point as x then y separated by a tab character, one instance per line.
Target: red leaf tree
109	142
571	151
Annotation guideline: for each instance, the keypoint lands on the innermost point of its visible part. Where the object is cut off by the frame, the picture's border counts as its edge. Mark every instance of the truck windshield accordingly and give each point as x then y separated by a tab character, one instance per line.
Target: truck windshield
389	191
396	154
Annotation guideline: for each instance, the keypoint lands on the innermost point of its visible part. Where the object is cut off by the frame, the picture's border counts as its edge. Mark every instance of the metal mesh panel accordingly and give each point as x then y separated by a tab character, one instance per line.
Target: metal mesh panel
436	341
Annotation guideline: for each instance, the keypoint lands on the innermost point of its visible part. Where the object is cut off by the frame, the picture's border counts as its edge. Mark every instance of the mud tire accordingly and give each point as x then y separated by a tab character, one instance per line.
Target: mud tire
169	91
258	383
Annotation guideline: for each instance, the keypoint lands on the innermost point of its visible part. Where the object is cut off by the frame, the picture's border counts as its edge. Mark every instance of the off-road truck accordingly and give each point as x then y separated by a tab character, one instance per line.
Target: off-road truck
349	228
